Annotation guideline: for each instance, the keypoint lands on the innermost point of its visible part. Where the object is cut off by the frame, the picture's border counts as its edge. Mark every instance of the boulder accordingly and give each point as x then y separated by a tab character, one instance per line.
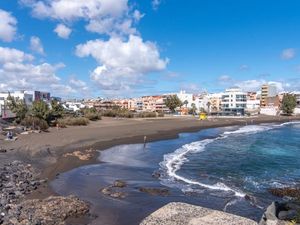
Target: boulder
155	191
119	184
287	215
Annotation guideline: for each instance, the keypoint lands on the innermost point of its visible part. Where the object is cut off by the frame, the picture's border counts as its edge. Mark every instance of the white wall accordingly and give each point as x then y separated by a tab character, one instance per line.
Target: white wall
269	111
253	104
183	96
297	111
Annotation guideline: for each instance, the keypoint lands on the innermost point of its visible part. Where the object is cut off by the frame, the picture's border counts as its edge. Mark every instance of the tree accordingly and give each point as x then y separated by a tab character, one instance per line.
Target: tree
57	110
40	109
193	109
18	107
186	102
172	102
289	103
208	104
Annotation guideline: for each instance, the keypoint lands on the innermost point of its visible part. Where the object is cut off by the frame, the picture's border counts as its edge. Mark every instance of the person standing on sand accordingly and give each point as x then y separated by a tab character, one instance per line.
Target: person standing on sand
145	139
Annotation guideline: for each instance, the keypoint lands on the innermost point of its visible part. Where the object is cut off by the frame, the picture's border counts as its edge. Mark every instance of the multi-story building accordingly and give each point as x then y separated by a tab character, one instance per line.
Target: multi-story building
186	98
215	101
234	101
267	90
25	96
253	101
154	103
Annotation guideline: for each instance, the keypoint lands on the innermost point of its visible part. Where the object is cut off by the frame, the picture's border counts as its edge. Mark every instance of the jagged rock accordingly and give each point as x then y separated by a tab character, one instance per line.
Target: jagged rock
287	215
112	192
287	191
156	174
119	184
155	191
50	211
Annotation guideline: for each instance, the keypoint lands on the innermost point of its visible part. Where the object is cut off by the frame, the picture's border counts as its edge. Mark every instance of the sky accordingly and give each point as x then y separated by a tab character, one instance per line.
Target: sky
128	48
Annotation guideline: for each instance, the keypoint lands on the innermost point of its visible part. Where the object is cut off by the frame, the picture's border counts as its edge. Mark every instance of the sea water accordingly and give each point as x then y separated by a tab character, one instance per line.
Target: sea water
215	168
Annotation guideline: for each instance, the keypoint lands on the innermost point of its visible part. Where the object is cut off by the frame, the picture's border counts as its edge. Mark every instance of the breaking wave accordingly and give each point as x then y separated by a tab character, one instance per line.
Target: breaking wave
173	161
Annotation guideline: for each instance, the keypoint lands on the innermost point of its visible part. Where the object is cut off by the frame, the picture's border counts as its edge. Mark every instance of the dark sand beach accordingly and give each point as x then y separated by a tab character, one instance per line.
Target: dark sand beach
48	152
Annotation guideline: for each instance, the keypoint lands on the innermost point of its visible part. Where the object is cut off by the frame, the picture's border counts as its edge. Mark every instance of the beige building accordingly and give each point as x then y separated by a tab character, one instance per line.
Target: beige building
267	91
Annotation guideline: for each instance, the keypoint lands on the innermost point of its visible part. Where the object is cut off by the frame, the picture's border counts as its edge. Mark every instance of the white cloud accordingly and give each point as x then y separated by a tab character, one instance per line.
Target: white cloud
8	27
63	31
122	64
79	85
224	79
191	87
102	16
36	45
13	55
155	4
289	53
19	72
255	85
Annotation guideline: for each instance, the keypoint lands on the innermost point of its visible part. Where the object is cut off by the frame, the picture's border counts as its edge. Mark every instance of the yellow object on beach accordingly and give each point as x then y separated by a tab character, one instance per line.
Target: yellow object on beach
203	116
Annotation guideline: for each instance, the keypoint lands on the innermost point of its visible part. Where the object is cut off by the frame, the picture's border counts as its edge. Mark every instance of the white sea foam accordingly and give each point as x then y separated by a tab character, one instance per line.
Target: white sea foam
173	161
251	129
288	123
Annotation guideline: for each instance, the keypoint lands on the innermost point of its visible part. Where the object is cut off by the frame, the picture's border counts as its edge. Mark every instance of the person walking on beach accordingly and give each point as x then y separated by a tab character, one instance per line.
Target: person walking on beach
145	140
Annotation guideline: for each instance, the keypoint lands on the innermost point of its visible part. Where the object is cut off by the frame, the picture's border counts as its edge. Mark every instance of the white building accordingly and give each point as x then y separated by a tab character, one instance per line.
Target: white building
234	101
73	106
297	95
25	96
185	97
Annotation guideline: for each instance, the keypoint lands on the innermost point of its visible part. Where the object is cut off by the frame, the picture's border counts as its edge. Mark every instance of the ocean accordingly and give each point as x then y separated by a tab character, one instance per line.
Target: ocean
214	168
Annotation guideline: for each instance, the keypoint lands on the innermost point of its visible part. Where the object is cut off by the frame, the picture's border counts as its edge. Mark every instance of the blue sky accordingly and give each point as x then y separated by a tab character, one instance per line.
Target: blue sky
90	48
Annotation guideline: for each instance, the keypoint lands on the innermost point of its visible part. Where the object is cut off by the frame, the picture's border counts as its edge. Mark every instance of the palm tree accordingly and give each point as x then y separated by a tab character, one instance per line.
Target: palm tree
186	103
208	104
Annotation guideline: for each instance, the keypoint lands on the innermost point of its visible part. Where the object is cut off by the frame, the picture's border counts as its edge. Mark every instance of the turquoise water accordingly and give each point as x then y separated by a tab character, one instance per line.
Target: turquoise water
215	168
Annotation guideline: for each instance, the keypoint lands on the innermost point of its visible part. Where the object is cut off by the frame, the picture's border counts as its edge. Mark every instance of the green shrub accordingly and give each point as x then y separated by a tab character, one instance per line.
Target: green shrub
73	121
35	123
161	114
93	116
118	113
147	114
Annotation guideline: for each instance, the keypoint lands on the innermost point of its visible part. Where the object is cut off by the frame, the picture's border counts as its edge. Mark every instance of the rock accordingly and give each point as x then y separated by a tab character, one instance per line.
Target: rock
110	191
156	174
282	192
155	191
53	210
16	180
176	213
106	191
3	150
119	184
269	214
287	215
292	205
119	195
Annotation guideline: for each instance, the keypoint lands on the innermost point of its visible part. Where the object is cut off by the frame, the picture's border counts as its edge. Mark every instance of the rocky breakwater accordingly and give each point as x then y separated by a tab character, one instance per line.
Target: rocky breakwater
16	181
285	212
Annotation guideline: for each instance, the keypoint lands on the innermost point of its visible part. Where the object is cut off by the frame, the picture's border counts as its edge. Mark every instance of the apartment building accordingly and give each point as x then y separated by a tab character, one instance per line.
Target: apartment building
253	101
267	90
215	102
234	101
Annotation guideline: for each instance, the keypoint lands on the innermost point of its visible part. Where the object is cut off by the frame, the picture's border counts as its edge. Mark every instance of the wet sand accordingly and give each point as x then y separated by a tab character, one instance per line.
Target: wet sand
45	151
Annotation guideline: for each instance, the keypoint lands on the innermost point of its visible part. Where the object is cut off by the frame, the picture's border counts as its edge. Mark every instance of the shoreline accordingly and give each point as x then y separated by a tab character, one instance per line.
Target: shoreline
54	162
